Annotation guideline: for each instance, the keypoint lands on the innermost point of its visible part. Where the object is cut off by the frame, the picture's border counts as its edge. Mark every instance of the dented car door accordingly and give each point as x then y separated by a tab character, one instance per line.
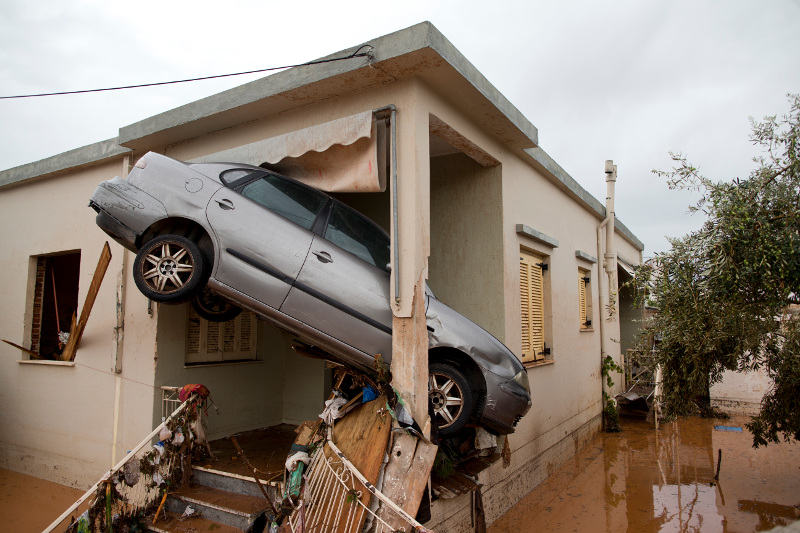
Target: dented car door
262	224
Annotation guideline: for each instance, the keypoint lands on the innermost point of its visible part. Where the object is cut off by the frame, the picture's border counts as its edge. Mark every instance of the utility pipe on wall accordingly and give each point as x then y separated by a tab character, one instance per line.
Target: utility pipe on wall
609	255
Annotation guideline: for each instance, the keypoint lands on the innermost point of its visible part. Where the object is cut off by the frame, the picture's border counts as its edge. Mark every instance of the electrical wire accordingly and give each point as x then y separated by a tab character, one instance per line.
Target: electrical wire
357	53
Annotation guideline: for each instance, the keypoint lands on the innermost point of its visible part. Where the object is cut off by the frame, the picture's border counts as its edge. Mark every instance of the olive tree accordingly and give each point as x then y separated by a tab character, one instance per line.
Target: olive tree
728	293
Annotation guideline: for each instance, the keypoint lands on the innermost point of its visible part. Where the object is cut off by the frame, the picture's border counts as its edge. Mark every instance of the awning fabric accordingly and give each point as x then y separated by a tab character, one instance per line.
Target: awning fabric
343	155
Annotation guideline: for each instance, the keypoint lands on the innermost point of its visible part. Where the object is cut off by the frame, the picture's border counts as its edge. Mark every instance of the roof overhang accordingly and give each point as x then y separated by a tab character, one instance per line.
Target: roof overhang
420	51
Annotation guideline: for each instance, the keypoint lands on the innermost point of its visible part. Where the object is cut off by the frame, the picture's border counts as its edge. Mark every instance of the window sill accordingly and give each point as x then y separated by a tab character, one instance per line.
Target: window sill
536	364
204	364
46	362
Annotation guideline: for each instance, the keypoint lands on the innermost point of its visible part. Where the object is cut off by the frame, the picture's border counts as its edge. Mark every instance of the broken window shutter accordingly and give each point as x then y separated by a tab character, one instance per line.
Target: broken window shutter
214	342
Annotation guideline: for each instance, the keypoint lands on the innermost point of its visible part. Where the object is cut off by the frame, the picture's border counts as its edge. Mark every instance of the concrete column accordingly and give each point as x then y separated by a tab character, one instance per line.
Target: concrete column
409	330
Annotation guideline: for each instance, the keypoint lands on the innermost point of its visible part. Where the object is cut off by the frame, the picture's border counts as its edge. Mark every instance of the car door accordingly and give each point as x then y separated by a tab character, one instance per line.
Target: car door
343	287
262	223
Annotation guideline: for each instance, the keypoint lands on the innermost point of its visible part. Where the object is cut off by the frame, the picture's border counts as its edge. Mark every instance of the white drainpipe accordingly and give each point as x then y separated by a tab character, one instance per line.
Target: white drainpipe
608	254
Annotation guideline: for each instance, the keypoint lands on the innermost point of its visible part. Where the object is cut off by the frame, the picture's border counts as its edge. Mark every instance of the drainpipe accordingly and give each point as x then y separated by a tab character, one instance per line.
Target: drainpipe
608	254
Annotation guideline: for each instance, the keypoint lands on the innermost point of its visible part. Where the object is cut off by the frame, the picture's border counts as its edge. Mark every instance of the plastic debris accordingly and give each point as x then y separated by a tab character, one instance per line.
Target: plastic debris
164	434
298	457
131	473
189	511
331	411
178	438
369	394
157	478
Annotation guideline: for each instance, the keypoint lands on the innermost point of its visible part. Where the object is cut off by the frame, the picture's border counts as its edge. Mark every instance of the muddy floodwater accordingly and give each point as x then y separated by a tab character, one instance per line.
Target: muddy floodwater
642	480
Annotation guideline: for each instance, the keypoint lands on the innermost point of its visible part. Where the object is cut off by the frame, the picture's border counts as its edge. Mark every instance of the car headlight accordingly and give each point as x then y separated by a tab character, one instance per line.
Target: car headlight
521	379
518	387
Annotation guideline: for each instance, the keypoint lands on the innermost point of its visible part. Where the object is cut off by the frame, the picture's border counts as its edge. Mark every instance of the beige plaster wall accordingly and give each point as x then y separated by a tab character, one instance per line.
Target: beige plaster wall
58	421
466	267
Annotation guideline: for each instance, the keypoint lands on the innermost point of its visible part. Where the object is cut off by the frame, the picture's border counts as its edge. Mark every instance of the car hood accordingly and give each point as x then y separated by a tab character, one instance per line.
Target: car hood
449	328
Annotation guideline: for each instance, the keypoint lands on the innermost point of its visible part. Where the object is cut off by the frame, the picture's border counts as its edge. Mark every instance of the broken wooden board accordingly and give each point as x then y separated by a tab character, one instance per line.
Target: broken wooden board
406	476
77	328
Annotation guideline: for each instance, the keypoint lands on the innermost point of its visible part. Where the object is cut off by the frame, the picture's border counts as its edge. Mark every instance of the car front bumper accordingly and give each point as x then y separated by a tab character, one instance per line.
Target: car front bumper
506	404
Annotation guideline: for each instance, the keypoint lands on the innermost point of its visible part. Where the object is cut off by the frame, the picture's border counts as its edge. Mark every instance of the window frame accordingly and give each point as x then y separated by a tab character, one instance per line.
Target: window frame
41	293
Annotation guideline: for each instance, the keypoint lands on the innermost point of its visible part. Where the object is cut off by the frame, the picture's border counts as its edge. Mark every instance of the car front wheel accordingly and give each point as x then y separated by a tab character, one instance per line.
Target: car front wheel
169	269
451	398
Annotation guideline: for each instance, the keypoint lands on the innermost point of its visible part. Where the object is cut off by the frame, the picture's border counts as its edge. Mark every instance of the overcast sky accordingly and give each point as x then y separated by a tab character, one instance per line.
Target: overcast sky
623	80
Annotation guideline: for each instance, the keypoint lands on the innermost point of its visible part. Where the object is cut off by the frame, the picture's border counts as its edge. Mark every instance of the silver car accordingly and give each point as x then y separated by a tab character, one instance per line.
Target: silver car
228	236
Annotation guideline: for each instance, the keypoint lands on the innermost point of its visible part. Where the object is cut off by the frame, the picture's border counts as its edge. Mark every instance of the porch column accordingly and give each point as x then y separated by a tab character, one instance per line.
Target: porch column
409	329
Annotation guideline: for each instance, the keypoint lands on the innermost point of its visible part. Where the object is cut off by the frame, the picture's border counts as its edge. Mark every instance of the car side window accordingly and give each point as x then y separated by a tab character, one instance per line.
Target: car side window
288	199
352	232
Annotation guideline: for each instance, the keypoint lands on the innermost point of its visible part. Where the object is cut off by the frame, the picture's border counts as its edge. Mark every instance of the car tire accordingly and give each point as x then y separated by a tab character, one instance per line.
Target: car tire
213	307
170	269
451	398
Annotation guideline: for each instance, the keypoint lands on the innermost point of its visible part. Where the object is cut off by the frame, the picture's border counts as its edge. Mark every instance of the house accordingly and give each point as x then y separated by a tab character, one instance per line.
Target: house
473	204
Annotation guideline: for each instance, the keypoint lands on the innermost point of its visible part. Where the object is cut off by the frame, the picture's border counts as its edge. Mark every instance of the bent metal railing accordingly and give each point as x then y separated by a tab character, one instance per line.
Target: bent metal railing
334	500
131	492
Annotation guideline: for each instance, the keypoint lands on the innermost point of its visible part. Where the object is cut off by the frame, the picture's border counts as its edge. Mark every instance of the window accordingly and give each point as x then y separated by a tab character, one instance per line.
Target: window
352	232
531	286
585	299
291	200
55	301
220	342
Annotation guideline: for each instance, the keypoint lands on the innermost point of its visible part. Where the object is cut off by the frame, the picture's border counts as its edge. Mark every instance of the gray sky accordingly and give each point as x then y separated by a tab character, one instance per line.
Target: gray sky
622	80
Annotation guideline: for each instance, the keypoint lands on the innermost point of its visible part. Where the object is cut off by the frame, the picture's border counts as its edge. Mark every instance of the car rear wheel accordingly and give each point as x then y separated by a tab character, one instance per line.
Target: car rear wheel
213	307
169	269
451	398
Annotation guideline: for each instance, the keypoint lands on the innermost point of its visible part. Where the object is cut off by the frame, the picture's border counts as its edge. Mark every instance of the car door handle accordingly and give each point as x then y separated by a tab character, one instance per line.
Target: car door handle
324	257
224	203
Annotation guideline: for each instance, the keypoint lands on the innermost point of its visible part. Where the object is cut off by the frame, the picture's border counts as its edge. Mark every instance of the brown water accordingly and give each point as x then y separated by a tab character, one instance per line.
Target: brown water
642	480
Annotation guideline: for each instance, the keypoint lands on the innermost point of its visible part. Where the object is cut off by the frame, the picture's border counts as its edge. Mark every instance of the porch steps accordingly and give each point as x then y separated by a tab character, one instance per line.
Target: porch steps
224	502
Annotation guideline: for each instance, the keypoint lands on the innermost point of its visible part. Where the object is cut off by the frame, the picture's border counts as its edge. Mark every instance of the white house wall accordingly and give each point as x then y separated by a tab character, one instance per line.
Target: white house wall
58	420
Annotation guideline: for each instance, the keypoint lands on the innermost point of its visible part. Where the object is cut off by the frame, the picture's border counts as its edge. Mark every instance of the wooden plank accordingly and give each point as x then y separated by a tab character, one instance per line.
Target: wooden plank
76	331
27	351
406	476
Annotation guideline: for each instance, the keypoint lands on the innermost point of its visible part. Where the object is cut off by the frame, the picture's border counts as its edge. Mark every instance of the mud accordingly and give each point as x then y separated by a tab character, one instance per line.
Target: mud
643	480
31	504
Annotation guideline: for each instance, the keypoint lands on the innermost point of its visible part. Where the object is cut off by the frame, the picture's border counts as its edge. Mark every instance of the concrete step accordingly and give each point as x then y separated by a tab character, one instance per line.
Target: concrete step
174	524
230	482
224	507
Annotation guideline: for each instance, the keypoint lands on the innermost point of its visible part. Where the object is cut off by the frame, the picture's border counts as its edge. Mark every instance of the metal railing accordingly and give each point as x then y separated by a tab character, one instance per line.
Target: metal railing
129	499
334	498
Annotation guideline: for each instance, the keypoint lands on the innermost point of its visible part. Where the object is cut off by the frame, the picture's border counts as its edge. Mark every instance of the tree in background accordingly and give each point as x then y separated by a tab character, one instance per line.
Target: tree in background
728	293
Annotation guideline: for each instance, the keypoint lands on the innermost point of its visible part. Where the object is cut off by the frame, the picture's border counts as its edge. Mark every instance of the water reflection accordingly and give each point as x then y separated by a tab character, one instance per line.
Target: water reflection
642	480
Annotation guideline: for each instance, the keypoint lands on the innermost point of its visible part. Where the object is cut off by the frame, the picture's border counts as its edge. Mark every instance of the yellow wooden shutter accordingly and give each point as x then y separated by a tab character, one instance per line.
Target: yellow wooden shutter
582	298
531	288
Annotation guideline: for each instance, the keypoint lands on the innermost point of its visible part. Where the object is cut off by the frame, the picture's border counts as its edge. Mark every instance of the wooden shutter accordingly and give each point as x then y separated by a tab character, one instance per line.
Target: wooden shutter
215	342
582	298
531	287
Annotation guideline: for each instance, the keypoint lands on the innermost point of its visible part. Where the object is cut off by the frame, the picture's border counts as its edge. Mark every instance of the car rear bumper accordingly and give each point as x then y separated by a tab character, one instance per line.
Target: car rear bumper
124	211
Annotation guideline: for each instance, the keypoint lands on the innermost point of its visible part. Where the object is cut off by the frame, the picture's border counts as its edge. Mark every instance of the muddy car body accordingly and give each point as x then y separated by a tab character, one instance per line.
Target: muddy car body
304	262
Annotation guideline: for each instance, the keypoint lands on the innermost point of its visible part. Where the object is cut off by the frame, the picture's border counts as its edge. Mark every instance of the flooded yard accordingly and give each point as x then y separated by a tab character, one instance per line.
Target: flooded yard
643	480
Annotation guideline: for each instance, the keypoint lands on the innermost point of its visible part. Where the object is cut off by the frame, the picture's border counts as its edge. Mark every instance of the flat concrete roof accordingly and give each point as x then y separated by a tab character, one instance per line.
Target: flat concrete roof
78	157
418	51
